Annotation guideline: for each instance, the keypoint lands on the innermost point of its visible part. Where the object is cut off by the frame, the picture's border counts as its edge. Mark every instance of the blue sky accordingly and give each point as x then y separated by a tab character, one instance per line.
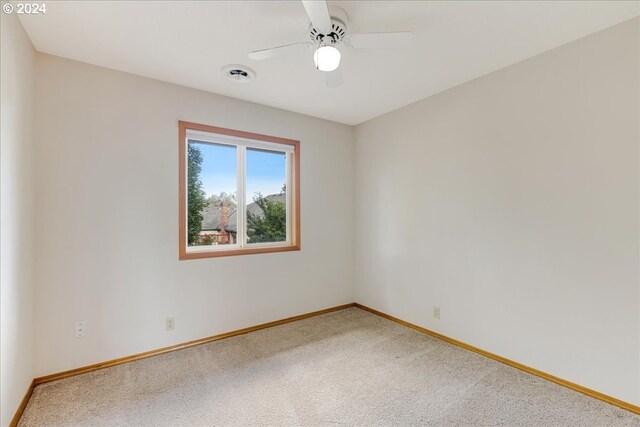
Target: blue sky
265	170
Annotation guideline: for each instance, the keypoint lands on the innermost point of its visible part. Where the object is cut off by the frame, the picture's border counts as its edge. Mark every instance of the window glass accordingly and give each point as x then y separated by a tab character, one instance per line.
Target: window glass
266	196
211	194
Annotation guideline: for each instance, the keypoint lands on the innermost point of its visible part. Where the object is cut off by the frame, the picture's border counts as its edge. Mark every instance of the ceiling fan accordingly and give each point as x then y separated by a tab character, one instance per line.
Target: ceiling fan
328	31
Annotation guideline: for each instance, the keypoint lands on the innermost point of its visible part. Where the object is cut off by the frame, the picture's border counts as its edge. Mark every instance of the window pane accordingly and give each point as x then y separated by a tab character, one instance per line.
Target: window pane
266	196
211	194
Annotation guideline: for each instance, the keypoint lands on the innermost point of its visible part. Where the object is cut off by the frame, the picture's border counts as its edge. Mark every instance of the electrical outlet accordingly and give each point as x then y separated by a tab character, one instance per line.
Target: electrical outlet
81	328
436	313
170	323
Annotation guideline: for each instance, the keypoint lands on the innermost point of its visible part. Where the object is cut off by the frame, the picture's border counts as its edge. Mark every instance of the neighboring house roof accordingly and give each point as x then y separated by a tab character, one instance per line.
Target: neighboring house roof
212	214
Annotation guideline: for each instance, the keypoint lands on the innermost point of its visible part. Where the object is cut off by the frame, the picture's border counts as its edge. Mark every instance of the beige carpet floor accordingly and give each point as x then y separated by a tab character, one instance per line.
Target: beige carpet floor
344	368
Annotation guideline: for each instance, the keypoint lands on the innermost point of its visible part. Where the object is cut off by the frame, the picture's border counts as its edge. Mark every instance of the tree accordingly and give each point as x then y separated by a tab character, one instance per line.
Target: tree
271	226
223	198
195	194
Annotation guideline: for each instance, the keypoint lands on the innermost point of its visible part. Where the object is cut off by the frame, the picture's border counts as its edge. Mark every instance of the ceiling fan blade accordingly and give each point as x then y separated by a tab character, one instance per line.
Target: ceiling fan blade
275	52
379	40
318	12
334	78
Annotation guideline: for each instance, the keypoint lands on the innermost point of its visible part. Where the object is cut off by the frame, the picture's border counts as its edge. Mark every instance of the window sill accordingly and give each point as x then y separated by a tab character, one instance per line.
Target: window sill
240	251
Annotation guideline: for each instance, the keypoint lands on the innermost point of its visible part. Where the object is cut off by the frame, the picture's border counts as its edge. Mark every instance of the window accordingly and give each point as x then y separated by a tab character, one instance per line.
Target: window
239	192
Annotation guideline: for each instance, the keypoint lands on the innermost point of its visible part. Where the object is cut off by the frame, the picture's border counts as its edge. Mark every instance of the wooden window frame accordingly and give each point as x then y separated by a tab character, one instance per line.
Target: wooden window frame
294	217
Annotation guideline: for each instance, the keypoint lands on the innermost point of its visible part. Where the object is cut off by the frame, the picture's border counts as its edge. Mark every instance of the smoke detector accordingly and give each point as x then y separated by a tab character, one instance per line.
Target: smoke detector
238	73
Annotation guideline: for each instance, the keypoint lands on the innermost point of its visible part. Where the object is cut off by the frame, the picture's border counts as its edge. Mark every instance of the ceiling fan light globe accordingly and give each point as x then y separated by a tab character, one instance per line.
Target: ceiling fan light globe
326	58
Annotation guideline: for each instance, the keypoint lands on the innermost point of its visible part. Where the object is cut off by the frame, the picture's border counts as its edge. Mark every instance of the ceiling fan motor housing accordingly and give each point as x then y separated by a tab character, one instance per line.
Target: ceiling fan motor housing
338	32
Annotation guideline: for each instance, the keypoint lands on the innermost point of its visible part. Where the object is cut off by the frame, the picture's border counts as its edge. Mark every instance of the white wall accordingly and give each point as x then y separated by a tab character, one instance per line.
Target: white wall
512	203
17	58
108	219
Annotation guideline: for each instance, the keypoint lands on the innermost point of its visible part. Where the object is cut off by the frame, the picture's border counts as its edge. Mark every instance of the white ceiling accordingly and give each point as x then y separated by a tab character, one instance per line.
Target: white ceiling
187	43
